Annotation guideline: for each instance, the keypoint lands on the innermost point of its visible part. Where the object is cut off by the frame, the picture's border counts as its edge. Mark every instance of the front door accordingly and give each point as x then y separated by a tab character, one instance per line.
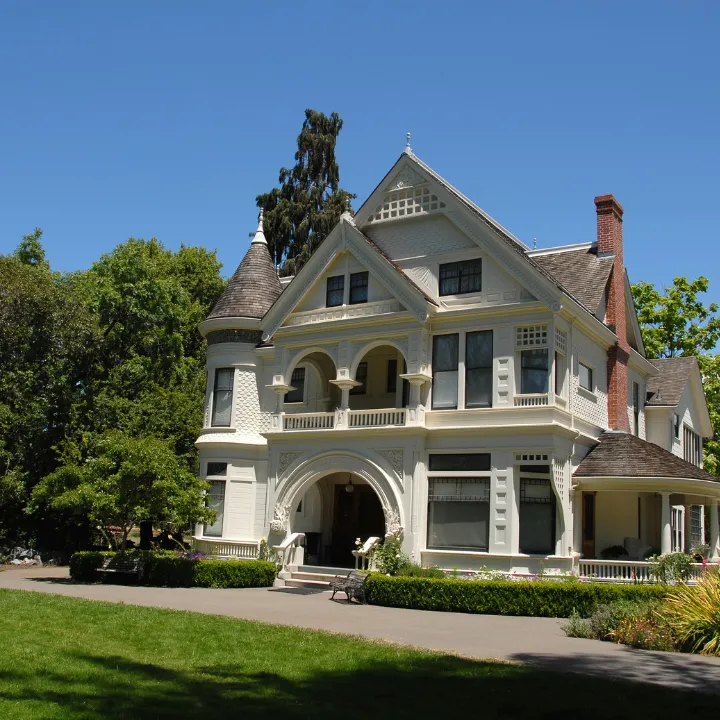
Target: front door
588	524
357	515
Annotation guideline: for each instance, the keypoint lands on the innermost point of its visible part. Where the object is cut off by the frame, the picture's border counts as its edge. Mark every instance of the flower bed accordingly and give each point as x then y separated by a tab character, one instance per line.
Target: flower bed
540	598
168	569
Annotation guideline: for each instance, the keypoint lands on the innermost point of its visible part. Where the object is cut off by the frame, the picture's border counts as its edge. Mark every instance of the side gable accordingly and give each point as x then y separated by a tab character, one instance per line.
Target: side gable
345	237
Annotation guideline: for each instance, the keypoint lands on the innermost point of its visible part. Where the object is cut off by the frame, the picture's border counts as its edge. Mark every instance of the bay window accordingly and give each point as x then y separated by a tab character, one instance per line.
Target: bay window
215	497
222	397
537	511
478	369
534	371
459	501
445	372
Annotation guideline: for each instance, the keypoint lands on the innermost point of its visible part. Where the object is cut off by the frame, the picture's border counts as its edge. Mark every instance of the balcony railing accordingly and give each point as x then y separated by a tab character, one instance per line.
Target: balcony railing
628	570
243	549
534	400
376	418
309	421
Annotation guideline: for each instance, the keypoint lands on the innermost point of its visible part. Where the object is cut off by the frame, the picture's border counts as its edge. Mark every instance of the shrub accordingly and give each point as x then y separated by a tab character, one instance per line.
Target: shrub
693	613
614	552
541	598
414	570
672	568
167	569
643	628
606	618
578	627
388	557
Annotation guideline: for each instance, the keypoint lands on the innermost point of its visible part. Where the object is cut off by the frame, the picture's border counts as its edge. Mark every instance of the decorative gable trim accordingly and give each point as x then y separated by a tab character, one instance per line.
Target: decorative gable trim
344	237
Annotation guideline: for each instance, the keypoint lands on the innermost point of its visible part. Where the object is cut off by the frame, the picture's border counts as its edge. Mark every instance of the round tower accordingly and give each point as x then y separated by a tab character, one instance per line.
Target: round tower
233	452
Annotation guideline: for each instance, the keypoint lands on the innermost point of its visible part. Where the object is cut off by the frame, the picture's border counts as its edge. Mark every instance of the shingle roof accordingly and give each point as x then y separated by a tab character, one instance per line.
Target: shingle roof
620	454
667	387
253	288
581	272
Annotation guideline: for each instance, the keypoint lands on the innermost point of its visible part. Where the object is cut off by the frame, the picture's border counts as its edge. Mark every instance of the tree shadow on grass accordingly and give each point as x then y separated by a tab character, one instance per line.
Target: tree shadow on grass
110	687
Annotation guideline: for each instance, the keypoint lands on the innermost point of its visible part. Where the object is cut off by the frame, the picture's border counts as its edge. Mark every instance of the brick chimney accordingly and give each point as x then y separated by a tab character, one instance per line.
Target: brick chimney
610	242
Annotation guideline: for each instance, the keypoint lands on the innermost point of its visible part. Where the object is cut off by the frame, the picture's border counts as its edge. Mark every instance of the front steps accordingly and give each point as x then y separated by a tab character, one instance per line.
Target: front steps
310	577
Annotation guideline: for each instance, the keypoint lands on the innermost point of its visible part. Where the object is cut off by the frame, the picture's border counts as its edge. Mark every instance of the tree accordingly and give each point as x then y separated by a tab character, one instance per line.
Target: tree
676	323
300	213
30	251
123	481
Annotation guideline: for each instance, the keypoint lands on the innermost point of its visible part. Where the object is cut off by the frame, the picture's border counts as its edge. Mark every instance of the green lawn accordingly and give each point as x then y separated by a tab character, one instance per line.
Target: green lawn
68	658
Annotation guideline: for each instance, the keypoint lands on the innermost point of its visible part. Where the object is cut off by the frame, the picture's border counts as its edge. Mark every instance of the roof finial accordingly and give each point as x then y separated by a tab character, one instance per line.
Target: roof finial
408	149
534	243
259	234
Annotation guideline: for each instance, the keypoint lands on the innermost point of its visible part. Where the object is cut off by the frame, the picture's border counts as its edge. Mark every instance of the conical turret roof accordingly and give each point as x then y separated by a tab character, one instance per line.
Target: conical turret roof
255	285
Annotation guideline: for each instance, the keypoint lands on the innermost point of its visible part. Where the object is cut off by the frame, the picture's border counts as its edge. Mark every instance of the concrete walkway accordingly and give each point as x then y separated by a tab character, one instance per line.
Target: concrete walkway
537	641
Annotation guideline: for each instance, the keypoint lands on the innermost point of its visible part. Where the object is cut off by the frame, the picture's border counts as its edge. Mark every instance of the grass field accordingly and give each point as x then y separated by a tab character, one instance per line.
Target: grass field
68	658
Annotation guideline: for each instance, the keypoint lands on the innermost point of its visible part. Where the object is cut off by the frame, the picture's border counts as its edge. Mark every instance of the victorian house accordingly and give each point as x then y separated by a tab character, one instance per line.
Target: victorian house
428	374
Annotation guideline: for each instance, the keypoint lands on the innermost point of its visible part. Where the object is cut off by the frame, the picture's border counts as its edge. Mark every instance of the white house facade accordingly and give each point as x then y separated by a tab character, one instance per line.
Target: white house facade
427	374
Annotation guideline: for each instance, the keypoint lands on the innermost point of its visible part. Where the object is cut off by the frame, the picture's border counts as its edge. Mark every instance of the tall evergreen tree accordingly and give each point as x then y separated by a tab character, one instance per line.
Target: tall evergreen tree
300	213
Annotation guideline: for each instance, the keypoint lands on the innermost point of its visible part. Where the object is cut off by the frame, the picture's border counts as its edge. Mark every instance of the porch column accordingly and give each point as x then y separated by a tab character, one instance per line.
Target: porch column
577	522
714	529
665	528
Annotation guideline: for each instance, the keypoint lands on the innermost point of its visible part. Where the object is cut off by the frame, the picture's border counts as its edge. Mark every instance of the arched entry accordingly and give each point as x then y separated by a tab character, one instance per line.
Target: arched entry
320	489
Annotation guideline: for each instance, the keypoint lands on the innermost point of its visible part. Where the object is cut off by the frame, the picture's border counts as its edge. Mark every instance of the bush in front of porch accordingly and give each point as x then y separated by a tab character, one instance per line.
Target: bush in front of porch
168	569
538	598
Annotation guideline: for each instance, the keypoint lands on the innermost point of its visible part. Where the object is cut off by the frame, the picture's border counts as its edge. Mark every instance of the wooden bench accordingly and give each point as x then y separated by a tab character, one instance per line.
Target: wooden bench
120	565
353	585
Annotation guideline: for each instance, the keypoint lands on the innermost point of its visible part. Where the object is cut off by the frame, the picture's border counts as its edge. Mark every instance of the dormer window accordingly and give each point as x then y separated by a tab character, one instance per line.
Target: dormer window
460	278
335	291
358	288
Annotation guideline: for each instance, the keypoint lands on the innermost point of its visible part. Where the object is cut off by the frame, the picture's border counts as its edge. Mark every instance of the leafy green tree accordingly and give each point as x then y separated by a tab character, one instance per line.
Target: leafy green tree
300	213
676	323
30	251
123	481
679	324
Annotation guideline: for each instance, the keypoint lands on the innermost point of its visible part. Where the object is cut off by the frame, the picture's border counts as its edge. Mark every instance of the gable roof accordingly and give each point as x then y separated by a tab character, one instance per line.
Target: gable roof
666	388
346	235
254	286
581	271
619	454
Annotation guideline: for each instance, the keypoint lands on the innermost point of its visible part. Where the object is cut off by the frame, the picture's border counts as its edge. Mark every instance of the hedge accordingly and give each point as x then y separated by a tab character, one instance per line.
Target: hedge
538	598
165	569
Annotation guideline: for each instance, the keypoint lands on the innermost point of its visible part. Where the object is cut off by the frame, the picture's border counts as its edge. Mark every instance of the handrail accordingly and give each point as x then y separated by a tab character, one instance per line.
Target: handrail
290	548
362	554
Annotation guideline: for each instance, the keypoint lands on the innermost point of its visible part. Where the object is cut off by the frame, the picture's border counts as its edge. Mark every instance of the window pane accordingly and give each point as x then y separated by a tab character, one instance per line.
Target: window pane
447	462
358	288
534	371
586	377
471	276
445	375
449	279
335	291
222	397
537	516
459	513
478	369
298	382
215	499
217	468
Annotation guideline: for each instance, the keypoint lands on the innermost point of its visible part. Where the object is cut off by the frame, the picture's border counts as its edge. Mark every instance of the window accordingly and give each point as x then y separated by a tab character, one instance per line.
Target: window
636	408
459	512
537	511
298	382
459	278
222	397
215	499
676	426
360	376
692	446
358	288
392	376
458	462
335	294
445	372
697	525
216	468
586	377
478	369
559	375
533	371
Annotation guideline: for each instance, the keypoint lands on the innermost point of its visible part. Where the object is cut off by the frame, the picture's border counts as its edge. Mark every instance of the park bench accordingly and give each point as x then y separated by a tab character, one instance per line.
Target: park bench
353	585
120	565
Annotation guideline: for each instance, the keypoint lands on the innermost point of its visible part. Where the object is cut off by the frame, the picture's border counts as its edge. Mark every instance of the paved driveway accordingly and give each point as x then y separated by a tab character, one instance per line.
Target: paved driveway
538	641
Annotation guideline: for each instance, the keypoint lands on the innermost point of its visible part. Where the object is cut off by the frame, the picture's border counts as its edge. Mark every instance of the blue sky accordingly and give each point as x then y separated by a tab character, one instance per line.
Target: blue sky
167	118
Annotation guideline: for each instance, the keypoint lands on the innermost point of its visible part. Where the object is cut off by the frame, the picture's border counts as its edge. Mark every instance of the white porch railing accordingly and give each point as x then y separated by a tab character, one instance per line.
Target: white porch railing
241	549
309	421
291	550
627	570
376	418
535	400
363	555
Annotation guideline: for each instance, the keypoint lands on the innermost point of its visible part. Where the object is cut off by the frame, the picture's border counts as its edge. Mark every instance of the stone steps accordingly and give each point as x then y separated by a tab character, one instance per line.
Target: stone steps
315	577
